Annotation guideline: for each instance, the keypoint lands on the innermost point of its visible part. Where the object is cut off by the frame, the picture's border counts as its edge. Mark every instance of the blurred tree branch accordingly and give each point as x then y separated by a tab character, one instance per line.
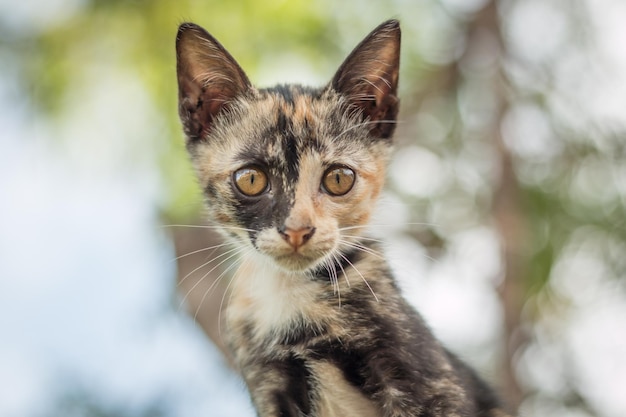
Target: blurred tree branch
507	208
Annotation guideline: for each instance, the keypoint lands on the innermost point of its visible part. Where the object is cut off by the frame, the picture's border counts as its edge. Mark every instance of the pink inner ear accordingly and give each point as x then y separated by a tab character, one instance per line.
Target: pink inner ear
368	78
208	79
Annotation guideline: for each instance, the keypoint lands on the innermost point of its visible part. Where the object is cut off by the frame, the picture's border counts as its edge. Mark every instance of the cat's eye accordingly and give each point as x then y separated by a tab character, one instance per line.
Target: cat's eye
251	181
338	180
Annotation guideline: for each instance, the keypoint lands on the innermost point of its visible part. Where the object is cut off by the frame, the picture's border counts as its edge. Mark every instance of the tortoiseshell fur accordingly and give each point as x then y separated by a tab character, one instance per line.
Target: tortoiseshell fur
317	328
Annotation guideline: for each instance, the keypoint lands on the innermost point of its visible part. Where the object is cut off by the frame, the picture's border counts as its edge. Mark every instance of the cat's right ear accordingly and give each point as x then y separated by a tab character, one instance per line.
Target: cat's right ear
209	79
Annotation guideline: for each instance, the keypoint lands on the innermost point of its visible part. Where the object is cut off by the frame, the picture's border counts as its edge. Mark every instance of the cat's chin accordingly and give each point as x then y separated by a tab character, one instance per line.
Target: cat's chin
295	262
287	259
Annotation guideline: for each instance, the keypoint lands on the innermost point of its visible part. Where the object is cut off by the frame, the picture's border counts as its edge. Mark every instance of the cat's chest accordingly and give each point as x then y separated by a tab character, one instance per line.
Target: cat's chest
270	302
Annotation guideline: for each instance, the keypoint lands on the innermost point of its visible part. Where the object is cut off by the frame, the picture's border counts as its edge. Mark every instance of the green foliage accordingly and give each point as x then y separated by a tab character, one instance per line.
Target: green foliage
137	37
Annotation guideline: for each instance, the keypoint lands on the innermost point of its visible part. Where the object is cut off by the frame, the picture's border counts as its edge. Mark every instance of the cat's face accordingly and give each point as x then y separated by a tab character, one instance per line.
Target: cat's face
289	172
286	176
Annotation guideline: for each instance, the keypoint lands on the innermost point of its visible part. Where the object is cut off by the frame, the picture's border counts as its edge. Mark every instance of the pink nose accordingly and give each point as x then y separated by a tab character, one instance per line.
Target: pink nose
296	238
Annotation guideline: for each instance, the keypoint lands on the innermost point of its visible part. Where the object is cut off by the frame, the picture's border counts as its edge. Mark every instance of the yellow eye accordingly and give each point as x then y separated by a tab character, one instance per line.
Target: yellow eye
338	180
250	181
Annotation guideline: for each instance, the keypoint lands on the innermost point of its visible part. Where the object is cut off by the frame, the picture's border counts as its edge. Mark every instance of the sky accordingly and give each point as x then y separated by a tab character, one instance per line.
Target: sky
86	283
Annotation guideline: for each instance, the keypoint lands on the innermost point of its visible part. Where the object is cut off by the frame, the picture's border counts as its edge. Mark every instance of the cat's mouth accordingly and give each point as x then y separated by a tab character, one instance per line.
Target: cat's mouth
302	257
297	261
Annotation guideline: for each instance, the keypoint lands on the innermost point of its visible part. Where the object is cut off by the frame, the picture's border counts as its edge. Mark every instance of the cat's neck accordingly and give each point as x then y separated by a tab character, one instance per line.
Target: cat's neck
270	297
275	300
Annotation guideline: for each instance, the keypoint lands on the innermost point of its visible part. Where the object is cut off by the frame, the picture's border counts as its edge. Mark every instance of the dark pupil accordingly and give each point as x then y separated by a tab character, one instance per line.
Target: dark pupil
252	178
337	178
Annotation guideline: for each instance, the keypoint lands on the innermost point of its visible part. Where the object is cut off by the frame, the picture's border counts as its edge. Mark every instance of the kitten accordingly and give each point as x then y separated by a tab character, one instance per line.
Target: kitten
316	322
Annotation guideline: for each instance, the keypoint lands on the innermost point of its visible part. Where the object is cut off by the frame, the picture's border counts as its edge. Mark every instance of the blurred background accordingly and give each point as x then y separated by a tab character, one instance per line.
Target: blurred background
504	216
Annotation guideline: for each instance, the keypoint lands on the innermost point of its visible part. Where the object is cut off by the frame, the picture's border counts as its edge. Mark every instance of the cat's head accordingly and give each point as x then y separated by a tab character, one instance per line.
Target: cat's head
290	172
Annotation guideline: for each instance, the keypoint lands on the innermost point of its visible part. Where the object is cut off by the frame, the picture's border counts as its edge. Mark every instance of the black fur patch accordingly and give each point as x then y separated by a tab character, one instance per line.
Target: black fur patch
300	335
271	208
292	156
289	92
295	399
284	91
349	361
339	265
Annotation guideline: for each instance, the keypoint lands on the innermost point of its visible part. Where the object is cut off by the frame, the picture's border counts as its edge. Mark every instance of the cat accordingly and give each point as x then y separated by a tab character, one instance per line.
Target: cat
316	323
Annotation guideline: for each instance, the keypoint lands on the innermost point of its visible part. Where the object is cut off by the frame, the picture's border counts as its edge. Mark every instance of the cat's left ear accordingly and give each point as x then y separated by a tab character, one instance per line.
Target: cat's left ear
368	78
209	79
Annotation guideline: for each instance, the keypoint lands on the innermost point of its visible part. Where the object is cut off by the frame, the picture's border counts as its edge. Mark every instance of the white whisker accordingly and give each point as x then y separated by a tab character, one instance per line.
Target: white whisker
371	239
365	249
359	125
207	263
334	279
365	226
361	275
208	227
199	250
219	277
238	251
342	270
226	291
372	84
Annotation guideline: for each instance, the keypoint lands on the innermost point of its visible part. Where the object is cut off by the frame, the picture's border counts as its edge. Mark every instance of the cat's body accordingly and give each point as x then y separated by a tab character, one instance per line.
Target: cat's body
316	322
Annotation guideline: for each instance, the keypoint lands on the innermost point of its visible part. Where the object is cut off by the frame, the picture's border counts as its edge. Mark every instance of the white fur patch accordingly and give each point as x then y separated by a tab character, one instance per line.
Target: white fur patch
272	299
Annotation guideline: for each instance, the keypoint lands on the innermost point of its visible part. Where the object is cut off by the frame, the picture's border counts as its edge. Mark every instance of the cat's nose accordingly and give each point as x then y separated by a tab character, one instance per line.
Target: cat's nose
296	237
